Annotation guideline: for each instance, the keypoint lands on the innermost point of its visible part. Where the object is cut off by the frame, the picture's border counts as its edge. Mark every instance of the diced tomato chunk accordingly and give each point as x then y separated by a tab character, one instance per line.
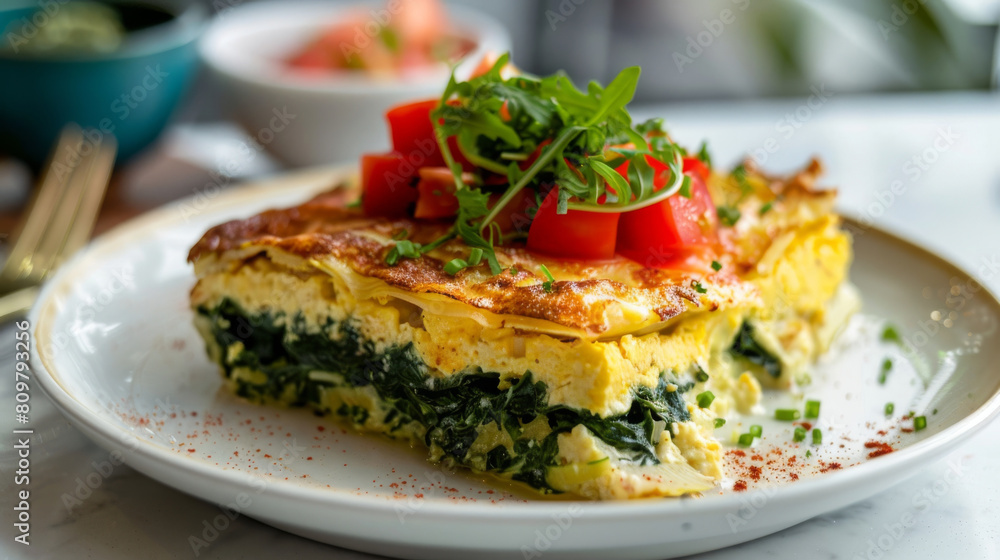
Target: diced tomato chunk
658	235
413	132
577	234
436	189
386	181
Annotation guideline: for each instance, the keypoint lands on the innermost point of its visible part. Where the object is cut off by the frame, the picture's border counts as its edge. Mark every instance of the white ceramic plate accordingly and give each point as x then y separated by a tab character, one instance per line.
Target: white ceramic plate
116	352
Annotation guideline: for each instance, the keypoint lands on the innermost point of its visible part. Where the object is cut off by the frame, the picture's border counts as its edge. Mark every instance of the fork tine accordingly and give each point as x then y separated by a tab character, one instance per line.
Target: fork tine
39	216
64	234
93	194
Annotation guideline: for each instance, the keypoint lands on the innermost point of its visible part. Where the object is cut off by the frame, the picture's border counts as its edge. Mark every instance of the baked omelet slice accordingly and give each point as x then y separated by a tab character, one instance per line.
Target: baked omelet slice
588	387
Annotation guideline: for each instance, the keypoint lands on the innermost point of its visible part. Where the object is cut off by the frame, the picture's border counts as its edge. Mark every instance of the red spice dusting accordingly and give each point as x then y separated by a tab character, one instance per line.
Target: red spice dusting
321	428
236	453
740	486
827	467
738	453
266	456
882	432
793	476
190	450
906	430
880	448
194	414
310	459
754	472
756	457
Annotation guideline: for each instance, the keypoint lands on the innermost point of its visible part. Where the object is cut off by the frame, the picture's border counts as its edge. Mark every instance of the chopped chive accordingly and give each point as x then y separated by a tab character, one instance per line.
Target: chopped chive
809	453
698	287
475	256
786	414
598	461
454	266
889	407
890	334
705	399
716	266
765	208
356	203
746	440
800	434
547	285
701	376
817	436
919	423
513	270
401	234
886	368
812	409
720	422
756	430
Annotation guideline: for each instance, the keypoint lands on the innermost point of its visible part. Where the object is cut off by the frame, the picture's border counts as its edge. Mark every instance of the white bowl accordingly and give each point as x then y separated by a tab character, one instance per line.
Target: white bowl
312	120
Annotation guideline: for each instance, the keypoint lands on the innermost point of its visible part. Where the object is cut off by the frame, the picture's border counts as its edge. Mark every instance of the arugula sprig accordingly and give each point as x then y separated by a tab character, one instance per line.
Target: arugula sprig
574	139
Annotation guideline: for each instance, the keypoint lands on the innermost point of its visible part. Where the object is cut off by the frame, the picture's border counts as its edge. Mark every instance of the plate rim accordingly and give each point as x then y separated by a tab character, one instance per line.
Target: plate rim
315	180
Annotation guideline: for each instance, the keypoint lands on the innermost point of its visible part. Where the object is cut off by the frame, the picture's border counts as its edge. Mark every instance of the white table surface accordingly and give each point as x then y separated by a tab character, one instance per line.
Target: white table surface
952	207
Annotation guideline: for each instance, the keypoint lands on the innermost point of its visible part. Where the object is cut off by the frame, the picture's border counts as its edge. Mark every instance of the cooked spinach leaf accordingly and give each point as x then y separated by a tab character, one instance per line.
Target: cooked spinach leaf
746	347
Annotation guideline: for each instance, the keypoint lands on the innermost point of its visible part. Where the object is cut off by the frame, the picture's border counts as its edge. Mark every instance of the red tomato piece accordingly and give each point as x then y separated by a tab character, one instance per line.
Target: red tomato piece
658	235
577	234
386	180
413	132
436	190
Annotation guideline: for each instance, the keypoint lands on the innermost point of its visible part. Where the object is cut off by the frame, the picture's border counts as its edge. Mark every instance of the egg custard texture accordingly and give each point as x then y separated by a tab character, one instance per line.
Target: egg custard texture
589	385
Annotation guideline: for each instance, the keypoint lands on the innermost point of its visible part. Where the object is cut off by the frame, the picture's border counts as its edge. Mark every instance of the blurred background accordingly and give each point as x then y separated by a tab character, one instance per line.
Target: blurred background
186	115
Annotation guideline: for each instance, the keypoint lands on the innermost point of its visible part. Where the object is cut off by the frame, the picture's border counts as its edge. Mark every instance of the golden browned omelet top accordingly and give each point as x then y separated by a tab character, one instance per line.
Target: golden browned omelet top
587	296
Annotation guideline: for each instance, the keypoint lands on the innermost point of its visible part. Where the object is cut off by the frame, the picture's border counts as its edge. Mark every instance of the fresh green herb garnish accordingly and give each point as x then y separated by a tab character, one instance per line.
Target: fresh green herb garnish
889	408
746	440
728	214
403	248
701	376
568	128
809	453
919	423
812	409
765	208
716	266
756	430
686	187
786	414
886	368
705	399
817	436
698	287
890	334
800	434
720	422
703	154
547	285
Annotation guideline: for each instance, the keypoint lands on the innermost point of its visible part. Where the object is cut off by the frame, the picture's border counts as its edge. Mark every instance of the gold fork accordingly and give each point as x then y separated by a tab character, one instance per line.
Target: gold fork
60	218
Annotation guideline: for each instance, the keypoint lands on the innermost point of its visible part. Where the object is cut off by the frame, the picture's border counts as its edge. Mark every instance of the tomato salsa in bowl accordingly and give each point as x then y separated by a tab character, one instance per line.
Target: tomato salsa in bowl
307	80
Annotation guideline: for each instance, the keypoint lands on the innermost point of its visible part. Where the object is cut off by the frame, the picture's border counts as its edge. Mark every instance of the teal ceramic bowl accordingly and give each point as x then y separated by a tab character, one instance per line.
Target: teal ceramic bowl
130	92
